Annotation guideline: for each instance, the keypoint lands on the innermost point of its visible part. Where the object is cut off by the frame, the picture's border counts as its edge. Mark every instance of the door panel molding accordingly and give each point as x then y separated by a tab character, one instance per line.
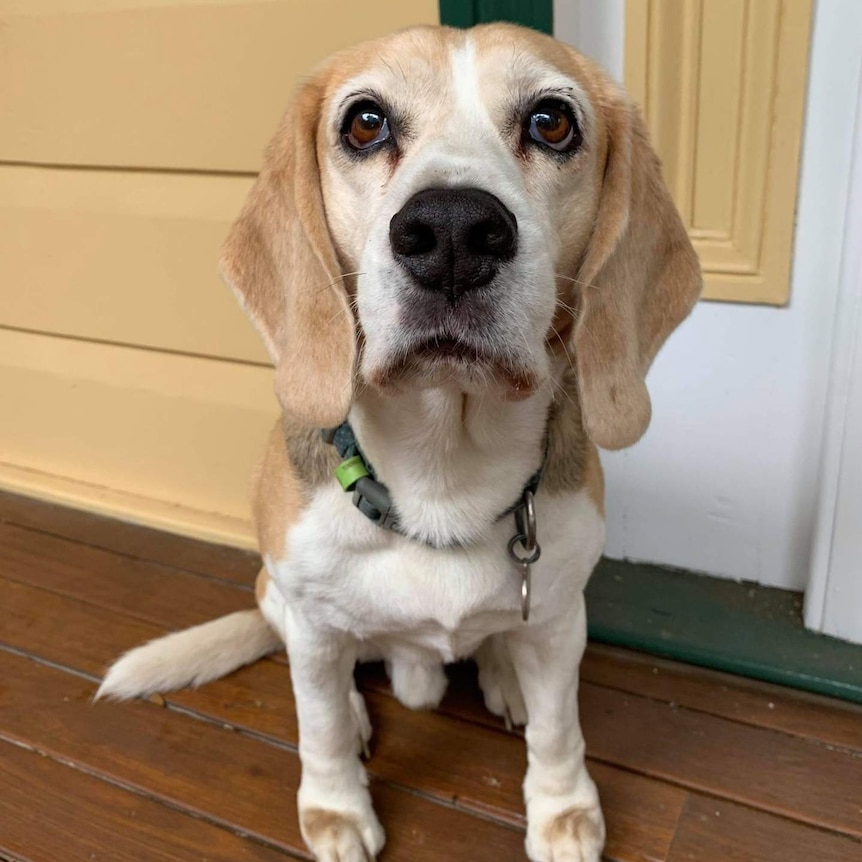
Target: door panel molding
722	86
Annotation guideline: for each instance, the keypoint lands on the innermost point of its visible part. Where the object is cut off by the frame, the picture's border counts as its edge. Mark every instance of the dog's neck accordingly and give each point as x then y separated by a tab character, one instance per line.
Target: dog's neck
452	462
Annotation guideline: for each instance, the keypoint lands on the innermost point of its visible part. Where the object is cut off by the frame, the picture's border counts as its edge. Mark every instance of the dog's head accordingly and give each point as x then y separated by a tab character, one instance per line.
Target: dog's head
462	207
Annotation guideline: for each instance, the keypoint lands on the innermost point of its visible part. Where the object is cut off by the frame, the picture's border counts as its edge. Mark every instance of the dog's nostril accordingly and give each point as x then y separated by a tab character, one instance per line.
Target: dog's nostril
417	238
491	237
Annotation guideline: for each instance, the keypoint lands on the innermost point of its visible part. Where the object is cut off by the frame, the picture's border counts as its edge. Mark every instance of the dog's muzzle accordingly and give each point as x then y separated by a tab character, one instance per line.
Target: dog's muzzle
453	240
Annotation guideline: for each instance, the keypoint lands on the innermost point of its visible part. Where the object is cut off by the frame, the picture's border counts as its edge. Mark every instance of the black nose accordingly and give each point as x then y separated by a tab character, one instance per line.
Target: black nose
453	240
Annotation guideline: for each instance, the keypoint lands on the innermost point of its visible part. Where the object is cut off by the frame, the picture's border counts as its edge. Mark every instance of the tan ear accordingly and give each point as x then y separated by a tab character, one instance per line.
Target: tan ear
644	278
280	262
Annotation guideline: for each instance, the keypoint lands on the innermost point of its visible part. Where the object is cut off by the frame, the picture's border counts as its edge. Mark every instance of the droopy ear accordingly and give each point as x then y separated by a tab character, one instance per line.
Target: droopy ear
280	262
644	278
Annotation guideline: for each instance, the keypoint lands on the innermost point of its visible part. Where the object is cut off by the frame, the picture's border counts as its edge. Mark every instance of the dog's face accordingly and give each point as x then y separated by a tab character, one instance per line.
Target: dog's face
456	173
459	207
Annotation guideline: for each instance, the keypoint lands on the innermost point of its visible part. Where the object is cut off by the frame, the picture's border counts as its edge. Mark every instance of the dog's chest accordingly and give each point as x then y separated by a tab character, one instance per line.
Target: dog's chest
392	592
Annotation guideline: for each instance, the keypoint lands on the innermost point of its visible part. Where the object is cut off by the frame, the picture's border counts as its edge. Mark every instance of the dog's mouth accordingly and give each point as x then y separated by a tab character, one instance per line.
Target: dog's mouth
449	349
443	358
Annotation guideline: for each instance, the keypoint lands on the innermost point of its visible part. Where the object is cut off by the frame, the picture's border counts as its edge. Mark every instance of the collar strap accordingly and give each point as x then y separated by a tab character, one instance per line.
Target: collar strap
372	498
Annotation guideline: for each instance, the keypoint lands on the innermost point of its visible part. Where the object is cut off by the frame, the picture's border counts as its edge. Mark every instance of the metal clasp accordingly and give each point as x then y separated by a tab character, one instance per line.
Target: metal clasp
530	550
373	500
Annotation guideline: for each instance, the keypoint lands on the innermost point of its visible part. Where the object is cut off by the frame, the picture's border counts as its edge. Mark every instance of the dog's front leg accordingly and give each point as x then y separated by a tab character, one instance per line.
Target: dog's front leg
564	819
335	812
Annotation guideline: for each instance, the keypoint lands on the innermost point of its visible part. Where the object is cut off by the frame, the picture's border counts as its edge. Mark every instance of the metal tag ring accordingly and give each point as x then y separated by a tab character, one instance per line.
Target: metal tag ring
529	560
529	521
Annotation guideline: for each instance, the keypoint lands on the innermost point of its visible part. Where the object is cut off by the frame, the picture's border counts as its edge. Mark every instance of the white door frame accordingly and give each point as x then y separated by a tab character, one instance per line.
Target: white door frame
833	600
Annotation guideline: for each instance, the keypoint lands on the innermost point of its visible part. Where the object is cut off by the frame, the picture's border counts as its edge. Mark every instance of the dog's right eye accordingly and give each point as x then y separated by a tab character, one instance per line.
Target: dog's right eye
365	126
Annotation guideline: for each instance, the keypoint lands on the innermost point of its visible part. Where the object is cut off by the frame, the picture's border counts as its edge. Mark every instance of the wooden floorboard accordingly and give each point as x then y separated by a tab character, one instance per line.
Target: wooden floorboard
718	831
809	716
49	810
691	764
482	773
230	779
777	772
140	588
143	543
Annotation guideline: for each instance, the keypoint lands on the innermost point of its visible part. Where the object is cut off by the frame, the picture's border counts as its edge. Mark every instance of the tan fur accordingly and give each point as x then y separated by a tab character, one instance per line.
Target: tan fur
261	582
628	275
594	477
313	460
567	442
277	498
573	825
573	459
644	279
280	260
319	825
643	274
638	276
295	462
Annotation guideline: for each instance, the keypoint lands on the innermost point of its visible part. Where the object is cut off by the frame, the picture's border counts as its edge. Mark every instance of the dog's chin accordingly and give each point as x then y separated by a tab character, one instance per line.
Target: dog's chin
448	363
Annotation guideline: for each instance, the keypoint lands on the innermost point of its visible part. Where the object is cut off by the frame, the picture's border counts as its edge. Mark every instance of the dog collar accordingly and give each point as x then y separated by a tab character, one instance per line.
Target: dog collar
355	474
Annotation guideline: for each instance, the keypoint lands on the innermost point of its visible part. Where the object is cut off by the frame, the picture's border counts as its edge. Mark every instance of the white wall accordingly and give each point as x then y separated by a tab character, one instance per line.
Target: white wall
596	27
726	479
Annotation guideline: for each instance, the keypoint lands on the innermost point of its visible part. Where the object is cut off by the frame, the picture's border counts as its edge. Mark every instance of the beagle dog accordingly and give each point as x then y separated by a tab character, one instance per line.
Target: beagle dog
462	258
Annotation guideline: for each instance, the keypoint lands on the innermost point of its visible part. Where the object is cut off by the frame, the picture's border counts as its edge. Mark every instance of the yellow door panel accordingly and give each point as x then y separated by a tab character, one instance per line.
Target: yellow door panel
167	439
197	85
722	85
121	256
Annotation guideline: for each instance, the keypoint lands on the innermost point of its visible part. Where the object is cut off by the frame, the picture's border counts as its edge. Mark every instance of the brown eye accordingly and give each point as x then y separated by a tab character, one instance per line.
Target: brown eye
552	124
365	126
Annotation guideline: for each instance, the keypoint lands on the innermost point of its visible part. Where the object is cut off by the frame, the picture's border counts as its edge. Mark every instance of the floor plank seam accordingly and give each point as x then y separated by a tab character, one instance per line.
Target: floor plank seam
819	827
128	555
45	662
682	707
453	805
163	801
127	613
692	787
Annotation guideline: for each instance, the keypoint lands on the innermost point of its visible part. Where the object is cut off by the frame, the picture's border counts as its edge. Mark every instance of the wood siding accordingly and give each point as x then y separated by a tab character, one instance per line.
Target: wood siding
132	129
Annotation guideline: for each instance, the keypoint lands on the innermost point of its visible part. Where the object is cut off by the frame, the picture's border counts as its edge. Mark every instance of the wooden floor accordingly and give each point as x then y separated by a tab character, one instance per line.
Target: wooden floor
691	764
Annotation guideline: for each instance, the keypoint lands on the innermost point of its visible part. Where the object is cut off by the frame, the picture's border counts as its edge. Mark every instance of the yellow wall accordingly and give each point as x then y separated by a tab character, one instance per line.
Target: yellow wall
131	383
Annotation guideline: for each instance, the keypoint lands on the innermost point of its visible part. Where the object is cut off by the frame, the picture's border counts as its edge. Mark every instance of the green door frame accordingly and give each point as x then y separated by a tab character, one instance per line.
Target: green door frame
538	14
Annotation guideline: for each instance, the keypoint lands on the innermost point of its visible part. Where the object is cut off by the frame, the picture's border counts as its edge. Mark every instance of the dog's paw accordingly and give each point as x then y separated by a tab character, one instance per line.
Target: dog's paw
499	684
335	836
573	835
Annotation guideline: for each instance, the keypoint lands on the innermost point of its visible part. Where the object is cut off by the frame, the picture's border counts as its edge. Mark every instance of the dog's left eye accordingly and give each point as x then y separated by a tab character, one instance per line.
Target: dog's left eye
365	126
552	124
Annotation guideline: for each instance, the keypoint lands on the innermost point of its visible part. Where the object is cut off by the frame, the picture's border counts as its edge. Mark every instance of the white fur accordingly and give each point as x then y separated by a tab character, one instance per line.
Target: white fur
454	457
192	657
350	589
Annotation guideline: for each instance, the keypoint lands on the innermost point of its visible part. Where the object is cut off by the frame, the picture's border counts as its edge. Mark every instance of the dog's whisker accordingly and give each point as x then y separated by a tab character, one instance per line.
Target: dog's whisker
575	281
325	286
570	308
